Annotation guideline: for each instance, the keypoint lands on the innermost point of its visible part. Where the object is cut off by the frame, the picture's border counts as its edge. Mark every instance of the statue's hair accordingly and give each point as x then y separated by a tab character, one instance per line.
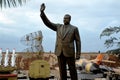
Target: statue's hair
68	15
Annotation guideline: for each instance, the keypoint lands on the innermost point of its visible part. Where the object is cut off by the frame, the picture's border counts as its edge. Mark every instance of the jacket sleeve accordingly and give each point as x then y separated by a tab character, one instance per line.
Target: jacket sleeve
47	22
77	41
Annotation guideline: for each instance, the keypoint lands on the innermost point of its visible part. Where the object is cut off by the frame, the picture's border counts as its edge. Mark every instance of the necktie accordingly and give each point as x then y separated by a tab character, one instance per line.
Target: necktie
63	30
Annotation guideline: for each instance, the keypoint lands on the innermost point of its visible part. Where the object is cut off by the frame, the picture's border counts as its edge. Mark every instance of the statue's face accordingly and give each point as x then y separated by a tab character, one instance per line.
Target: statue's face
66	19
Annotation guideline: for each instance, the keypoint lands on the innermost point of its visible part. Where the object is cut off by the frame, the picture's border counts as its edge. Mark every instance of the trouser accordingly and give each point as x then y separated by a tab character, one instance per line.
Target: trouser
70	61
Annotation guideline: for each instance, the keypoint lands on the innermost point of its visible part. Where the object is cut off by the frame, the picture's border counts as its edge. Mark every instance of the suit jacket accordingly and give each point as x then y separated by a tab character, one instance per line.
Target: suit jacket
65	41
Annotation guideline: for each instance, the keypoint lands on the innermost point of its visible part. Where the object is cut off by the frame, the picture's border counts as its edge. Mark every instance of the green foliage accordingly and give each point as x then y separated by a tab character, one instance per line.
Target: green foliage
112	39
115	51
10	3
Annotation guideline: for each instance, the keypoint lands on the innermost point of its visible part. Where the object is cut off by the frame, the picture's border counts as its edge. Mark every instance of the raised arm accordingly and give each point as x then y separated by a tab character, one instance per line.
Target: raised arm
46	20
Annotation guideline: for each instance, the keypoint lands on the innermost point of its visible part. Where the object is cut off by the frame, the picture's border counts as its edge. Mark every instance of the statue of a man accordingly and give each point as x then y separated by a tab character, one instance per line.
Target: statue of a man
67	37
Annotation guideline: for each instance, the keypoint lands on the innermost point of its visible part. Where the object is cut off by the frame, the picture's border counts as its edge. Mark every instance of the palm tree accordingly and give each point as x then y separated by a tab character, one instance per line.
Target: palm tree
10	3
112	39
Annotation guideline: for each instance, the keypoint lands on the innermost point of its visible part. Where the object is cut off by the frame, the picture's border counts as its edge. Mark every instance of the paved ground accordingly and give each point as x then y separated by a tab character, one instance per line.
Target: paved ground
85	76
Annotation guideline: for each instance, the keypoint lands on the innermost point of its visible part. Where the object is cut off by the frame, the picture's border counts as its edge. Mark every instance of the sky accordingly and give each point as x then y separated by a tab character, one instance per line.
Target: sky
90	16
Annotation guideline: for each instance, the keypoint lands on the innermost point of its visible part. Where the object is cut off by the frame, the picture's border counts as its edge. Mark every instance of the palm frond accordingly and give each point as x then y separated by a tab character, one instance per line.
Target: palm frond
109	31
110	42
11	3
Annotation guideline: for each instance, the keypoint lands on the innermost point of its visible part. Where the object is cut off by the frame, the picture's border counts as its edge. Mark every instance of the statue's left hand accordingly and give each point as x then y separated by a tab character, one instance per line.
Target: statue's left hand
77	56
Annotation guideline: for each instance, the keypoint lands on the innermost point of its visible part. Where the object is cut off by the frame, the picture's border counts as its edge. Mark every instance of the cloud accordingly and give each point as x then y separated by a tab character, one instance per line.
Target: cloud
114	23
4	19
91	17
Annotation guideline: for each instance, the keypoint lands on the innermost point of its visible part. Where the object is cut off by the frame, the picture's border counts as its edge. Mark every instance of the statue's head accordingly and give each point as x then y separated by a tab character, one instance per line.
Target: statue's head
67	19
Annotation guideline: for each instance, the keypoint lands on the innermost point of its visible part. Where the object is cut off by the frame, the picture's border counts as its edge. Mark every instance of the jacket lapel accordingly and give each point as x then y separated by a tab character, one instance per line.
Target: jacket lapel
67	30
60	34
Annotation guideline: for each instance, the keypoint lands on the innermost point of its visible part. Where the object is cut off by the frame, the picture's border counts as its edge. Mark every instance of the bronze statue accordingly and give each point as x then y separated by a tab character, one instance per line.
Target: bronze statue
67	37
